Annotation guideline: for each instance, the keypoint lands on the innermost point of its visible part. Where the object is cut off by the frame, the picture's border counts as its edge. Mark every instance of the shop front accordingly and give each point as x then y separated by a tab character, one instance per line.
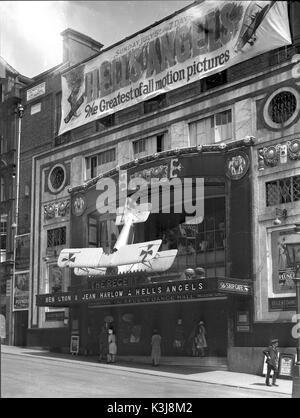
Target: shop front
134	305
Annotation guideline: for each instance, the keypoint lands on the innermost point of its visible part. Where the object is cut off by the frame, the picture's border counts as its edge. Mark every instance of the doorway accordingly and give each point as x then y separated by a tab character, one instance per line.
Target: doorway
20	328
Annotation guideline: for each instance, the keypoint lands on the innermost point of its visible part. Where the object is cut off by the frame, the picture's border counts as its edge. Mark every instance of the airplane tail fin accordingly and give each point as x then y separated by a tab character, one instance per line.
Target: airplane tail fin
137	213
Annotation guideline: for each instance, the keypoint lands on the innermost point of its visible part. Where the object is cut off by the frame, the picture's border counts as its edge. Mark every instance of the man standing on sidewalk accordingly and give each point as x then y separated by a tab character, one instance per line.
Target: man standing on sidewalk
272	362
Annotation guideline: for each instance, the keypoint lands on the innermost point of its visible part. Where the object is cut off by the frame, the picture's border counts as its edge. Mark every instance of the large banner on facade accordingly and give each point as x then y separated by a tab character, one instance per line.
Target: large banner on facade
206	38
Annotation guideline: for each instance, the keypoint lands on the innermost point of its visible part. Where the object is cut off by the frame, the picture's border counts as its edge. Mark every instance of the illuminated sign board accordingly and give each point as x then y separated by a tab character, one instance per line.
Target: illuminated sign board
176	290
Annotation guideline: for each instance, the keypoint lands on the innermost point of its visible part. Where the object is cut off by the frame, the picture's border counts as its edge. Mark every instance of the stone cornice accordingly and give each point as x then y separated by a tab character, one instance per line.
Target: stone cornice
199	149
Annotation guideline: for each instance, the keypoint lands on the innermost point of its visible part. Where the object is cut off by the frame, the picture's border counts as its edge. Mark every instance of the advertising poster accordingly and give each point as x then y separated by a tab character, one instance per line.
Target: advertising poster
55	279
21	291
23	251
285	254
202	40
74	344
286	363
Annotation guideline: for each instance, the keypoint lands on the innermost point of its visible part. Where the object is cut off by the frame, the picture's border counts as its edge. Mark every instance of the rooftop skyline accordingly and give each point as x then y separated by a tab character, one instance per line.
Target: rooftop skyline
30	39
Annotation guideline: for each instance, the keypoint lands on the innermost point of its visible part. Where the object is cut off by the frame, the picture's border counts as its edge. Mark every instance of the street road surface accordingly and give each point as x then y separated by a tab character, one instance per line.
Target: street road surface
29	376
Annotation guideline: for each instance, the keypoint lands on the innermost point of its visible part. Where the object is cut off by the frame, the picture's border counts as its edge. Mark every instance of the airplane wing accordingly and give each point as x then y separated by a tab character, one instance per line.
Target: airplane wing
131	254
95	258
161	262
80	257
87	271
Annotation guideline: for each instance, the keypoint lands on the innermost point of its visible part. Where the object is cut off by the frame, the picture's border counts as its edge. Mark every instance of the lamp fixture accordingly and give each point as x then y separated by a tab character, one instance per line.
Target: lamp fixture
280	213
20	110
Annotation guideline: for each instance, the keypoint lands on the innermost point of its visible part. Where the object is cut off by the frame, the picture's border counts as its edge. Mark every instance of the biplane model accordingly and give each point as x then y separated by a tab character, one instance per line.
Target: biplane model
125	257
254	15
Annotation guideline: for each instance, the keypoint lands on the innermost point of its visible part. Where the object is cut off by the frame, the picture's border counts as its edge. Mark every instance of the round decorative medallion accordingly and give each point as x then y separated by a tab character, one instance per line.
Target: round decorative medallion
294	149
281	108
237	166
79	205
57	178
271	155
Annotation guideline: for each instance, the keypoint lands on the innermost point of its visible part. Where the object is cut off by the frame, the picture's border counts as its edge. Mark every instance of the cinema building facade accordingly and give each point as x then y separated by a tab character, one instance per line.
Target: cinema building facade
139	302
209	130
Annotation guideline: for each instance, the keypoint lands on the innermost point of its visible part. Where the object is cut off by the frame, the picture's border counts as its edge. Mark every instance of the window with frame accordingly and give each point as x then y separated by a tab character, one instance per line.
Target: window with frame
215	128
58	98
106	122
3	145
3	238
200	245
56	237
214	80
139	146
2	190
284	190
160	142
107	156
101	159
92	232
155	103
103	232
148	146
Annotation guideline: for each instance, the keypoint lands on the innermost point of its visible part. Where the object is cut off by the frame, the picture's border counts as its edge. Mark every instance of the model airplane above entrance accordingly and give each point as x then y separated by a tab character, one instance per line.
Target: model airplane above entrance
142	256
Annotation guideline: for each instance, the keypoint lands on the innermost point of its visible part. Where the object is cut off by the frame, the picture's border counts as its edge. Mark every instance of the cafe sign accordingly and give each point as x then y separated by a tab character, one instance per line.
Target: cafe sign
234	286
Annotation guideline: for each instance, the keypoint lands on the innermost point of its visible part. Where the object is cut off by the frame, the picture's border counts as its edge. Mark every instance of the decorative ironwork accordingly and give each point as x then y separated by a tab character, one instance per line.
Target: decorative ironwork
285	190
282	107
56	236
57	178
56	209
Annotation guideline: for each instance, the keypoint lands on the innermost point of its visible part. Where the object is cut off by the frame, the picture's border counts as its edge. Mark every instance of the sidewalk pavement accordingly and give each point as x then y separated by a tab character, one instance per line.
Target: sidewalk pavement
174	371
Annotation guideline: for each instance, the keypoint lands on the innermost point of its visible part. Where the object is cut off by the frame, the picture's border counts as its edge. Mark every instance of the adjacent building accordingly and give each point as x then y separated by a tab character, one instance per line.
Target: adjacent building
24	134
11	83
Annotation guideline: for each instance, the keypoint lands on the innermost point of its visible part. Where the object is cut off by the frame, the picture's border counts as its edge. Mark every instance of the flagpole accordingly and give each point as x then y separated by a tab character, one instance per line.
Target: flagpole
19	112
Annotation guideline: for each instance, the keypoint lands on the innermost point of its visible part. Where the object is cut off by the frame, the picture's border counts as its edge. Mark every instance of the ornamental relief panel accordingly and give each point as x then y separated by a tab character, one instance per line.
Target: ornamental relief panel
57	209
278	154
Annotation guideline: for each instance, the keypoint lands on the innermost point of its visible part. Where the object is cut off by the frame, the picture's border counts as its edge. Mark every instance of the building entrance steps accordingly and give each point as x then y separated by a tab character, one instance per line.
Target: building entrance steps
212	363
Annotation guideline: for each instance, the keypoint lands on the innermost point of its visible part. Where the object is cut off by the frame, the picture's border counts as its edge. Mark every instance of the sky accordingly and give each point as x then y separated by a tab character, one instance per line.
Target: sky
30	39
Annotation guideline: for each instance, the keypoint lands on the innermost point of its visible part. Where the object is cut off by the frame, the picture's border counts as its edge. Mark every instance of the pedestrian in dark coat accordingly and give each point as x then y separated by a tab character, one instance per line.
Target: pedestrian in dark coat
272	355
156	350
103	343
